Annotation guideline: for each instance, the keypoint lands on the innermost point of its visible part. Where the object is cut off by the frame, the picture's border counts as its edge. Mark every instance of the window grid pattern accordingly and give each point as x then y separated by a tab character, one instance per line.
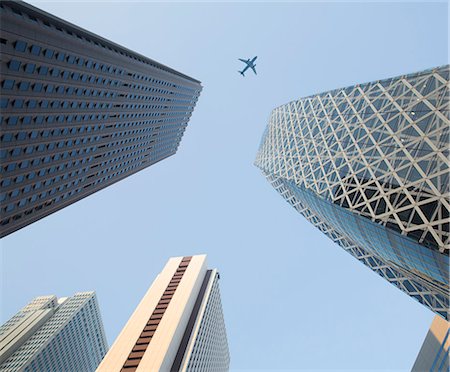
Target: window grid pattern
78	115
39	303
376	154
71	340
210	351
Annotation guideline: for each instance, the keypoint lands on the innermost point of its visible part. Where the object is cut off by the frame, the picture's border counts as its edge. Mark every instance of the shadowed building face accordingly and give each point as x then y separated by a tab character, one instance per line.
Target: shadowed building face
79	113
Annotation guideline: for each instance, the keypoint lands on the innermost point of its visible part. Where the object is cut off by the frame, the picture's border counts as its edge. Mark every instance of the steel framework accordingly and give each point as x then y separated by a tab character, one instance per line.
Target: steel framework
369	166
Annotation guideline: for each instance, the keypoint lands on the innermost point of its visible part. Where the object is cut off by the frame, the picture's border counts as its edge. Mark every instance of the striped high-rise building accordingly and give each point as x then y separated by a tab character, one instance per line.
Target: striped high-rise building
78	113
51	334
368	165
178	325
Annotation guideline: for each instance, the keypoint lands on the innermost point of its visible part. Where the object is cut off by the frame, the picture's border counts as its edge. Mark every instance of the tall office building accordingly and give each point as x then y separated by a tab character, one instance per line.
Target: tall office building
368	165
54	335
433	355
178	325
78	113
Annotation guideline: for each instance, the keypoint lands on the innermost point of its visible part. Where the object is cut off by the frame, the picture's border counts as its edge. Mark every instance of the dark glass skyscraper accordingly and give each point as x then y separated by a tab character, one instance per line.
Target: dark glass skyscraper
78	113
368	165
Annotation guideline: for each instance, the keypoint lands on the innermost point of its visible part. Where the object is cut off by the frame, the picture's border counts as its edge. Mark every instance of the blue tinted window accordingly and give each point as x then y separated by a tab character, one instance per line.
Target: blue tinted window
29	68
26	120
71	59
49	88
48	53
55	72
4	102
24	85
20	46
18	103
8	84
35	50
43	70
60	57
37	87
21	136
39	119
32	103
14	65
12	120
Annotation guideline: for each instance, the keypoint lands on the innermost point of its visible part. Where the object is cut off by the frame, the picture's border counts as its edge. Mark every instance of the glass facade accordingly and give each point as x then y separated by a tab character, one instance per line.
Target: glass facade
209	347
78	113
369	166
69	338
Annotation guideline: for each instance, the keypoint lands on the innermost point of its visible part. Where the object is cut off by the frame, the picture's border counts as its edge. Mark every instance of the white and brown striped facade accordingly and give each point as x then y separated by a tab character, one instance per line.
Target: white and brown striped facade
178	326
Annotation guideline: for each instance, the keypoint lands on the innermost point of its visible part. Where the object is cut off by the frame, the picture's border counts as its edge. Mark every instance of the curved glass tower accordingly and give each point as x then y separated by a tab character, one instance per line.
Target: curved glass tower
369	166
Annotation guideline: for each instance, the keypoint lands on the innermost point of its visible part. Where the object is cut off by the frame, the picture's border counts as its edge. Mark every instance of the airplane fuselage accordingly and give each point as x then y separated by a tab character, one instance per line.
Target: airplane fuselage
249	64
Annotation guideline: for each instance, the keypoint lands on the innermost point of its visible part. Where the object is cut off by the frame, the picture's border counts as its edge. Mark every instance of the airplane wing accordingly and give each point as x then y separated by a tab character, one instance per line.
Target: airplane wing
243	60
253	68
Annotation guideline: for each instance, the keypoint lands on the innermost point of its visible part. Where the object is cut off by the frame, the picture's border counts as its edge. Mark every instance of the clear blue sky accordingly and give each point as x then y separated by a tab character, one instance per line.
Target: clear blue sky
292	299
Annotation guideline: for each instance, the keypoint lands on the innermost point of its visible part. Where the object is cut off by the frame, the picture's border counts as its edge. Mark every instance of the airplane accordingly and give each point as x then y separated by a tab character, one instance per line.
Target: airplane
250	64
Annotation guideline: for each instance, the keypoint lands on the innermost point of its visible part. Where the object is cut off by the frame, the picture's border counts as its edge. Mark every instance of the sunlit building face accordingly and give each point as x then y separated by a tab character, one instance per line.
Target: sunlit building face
369	166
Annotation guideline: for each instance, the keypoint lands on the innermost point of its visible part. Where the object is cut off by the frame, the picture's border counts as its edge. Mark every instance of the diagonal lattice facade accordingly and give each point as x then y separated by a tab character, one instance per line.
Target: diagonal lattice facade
369	166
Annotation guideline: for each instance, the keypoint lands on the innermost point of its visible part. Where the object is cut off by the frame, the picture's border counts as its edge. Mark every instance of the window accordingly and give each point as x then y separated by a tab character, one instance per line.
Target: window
48	53
12	120
43	70
26	120
24	85
37	87
32	103
18	103
29	68
4	102
8	84
14	65
20	45
35	50
60	57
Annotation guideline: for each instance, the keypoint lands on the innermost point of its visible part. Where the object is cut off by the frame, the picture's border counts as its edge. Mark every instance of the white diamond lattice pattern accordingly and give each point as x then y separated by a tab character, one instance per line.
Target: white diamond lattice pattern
379	150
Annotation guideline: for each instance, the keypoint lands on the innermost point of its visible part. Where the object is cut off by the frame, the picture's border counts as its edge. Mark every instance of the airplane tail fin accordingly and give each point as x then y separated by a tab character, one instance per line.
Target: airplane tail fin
241	72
